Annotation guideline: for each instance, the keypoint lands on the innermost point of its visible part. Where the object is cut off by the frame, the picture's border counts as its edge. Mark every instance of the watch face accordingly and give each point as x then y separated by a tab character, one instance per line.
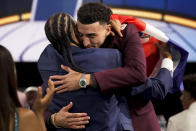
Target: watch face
83	83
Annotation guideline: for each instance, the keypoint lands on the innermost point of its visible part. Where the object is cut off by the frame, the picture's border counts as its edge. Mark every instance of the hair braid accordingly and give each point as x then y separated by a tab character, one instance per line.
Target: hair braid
59	31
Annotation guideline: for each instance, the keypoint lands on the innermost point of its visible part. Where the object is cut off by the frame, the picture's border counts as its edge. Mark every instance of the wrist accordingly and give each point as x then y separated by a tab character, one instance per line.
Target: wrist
83	82
167	55
38	112
53	120
88	79
93	82
49	124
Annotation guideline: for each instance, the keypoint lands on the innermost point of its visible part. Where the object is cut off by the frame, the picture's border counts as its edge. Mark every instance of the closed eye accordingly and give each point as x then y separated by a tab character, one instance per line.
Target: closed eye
93	35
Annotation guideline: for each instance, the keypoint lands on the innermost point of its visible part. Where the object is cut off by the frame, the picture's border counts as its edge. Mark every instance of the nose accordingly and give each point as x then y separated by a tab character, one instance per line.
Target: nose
86	42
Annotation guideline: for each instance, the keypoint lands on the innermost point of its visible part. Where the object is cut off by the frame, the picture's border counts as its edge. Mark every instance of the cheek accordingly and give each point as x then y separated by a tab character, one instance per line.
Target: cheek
97	41
103	37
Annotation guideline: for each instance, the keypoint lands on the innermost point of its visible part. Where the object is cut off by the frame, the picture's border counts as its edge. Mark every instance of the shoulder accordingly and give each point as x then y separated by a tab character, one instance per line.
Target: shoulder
182	121
129	32
180	117
48	51
26	114
49	58
128	28
28	120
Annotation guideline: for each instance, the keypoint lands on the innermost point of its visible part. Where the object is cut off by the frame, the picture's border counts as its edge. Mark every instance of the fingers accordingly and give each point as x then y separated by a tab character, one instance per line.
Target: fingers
64	87
39	93
58	77
160	44
71	120
78	115
119	33
50	91
62	90
112	33
116	25
66	108
161	47
47	98
79	121
51	85
77	126
66	68
164	49
58	82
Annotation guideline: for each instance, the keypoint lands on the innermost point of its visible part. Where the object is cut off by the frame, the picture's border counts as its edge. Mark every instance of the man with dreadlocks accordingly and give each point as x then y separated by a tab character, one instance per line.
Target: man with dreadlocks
60	30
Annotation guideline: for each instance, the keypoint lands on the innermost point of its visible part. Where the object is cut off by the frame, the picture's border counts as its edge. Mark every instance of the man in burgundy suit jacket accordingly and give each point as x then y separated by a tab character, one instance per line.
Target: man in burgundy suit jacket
94	29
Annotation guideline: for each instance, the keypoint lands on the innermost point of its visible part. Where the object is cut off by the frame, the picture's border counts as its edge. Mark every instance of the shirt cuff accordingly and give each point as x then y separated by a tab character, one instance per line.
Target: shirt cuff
49	125
168	64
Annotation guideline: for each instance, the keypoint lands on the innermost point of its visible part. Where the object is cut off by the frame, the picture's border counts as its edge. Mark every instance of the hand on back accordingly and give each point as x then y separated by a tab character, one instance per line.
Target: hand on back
65	119
116	25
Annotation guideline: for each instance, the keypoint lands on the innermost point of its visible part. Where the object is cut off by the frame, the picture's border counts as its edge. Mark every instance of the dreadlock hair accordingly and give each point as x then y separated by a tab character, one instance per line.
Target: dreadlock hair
189	82
92	12
60	31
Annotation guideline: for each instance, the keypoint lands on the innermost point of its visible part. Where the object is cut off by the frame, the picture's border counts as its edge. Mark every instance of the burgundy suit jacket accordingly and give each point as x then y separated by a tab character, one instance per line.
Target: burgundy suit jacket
133	72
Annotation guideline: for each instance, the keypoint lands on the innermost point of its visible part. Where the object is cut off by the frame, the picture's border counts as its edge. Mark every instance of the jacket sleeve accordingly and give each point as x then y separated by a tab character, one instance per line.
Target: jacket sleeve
133	71
154	88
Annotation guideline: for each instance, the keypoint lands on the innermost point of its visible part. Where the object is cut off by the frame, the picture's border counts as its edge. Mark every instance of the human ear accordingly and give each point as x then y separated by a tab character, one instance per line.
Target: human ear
108	29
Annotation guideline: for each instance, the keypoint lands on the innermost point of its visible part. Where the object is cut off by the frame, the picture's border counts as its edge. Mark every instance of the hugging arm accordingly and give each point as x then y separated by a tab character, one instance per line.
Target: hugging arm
157	87
154	88
133	71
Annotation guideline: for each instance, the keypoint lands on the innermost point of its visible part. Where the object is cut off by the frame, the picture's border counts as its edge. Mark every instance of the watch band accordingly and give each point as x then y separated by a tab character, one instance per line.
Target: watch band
83	76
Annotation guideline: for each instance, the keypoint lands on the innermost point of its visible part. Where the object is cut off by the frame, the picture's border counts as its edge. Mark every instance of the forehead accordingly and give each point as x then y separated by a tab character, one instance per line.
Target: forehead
89	28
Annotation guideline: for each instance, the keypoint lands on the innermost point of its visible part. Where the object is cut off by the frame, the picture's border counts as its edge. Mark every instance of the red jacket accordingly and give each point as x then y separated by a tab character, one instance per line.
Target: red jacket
132	73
